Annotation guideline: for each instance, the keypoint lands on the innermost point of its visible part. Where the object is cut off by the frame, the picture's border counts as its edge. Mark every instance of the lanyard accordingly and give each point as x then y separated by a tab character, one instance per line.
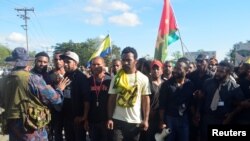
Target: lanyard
97	90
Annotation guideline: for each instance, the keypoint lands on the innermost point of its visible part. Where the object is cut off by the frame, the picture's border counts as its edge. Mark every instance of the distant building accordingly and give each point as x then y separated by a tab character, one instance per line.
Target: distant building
242	52
193	55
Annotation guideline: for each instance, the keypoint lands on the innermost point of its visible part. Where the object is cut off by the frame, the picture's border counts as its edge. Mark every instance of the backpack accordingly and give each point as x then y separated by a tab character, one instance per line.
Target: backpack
35	114
19	102
3	129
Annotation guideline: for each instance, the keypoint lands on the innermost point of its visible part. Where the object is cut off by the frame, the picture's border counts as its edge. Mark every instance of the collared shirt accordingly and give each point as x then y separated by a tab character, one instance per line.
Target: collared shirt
45	92
44	75
230	93
47	95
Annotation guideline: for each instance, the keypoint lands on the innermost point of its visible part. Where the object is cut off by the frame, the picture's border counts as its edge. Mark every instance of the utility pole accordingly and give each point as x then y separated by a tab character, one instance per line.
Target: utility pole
25	18
48	50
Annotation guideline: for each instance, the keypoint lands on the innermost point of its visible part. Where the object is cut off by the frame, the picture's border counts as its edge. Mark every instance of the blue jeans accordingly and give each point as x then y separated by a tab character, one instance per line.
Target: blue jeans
179	127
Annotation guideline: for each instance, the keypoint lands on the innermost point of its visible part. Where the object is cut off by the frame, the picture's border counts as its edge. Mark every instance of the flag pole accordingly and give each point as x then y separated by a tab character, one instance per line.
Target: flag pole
111	46
182	46
103	50
111	52
181	41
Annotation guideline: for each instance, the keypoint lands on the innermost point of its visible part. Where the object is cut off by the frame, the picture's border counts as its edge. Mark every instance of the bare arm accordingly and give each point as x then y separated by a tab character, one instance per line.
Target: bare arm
86	110
162	124
145	110
111	109
145	107
84	117
111	105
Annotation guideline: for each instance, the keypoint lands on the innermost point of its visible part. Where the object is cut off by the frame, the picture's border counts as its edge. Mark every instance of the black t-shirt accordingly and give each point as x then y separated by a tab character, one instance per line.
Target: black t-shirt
244	115
245	87
154	97
176	100
99	99
198	80
79	91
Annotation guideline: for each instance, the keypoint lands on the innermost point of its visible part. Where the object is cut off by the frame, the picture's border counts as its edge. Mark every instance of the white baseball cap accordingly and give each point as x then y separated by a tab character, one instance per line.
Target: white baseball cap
71	55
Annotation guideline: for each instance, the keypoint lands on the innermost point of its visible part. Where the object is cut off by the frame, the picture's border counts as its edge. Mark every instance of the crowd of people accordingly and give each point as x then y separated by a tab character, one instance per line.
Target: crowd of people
133	101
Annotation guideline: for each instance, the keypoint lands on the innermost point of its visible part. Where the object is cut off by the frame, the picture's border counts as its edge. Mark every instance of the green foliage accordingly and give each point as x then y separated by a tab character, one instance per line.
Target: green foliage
200	50
231	54
86	49
115	55
4	52
176	55
32	54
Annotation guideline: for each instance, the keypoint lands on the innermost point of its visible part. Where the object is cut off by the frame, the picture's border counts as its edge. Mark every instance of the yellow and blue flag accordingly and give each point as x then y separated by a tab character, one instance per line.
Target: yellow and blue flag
103	50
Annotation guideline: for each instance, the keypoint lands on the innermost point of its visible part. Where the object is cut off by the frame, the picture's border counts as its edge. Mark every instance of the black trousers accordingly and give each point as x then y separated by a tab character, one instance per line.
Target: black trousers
99	132
124	131
73	132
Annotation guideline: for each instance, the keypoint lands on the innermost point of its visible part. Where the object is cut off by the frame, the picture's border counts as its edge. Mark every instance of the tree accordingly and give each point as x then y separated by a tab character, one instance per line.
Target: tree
115	54
200	50
176	55
231	54
4	52
32	54
86	49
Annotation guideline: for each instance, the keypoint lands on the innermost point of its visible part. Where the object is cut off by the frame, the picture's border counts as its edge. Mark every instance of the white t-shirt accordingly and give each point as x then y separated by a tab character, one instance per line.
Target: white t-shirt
132	114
